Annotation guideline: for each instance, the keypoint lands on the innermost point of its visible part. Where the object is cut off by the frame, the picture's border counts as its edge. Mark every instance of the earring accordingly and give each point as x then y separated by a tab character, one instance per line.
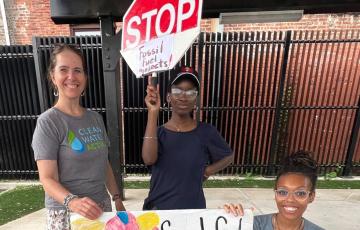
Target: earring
56	92
83	93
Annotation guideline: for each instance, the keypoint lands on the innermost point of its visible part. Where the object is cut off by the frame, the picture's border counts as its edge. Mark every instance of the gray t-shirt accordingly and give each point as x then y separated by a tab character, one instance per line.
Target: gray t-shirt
264	222
80	147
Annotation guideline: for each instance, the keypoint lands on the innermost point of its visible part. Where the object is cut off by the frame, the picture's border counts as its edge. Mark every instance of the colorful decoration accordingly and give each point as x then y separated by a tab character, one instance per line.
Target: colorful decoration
122	221
86	224
148	221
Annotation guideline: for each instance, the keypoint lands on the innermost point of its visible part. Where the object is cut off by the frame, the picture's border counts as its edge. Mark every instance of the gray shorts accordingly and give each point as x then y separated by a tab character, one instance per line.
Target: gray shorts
59	219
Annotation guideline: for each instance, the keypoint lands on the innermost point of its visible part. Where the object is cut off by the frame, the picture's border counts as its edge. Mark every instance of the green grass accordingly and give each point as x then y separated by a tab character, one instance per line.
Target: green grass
251	183
20	201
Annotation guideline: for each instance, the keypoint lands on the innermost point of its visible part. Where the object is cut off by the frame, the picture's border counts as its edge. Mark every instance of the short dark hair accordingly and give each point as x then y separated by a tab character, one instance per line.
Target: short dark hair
302	163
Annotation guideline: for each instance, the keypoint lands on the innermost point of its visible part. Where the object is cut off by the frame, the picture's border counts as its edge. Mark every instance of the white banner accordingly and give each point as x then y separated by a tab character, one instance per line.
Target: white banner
190	219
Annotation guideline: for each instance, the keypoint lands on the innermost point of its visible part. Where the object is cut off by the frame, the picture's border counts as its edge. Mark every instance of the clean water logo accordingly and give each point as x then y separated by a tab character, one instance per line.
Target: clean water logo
75	143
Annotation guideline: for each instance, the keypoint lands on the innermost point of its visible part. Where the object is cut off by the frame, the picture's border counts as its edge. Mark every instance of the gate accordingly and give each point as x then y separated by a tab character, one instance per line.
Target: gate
268	93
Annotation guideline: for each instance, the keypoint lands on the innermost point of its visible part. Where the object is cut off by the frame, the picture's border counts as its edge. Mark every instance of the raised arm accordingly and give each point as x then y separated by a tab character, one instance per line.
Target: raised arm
150	143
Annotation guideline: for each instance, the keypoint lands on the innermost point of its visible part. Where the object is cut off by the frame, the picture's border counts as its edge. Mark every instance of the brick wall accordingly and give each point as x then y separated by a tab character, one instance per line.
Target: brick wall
2	35
28	18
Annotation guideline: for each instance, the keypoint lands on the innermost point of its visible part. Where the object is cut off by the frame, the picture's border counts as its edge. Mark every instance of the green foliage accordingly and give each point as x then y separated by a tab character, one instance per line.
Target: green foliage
20	201
330	175
249	176
252	183
333	174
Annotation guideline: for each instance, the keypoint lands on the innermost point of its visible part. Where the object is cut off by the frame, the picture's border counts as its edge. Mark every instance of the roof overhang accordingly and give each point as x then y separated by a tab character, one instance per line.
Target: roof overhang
89	11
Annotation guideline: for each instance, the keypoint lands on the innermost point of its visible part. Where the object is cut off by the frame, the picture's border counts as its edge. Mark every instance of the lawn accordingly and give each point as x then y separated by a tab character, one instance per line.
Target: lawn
23	200
20	201
252	183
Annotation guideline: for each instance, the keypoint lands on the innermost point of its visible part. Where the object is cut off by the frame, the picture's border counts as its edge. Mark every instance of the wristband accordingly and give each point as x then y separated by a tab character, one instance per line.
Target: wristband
148	137
116	197
69	198
206	176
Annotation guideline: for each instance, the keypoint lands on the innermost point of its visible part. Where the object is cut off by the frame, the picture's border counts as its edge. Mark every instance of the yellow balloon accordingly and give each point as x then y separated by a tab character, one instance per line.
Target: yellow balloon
148	221
86	224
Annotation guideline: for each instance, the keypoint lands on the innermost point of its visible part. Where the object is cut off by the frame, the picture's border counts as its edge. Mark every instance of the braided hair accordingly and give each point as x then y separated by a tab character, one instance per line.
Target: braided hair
300	162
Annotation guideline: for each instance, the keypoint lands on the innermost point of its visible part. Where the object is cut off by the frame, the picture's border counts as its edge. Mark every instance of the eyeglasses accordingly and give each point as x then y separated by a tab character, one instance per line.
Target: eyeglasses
191	94
298	194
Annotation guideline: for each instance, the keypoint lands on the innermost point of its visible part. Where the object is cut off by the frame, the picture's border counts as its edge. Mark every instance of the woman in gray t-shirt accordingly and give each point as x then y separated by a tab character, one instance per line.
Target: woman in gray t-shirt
71	147
294	190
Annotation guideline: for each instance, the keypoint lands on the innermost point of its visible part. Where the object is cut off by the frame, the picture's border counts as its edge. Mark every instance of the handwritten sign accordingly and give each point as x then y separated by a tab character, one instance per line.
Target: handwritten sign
154	55
190	219
173	24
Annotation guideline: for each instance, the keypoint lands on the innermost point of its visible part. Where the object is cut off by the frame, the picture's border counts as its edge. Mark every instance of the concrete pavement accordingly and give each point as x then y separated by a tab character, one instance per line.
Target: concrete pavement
332	209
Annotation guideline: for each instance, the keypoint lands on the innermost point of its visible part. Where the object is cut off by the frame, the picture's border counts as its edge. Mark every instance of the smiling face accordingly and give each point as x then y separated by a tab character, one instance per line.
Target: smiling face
182	104
68	75
290	207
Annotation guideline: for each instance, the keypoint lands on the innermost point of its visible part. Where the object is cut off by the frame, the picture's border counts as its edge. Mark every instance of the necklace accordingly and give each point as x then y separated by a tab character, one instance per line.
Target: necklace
178	127
276	227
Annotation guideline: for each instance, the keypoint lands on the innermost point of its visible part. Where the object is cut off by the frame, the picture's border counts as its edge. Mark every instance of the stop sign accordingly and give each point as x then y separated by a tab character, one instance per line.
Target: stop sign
157	33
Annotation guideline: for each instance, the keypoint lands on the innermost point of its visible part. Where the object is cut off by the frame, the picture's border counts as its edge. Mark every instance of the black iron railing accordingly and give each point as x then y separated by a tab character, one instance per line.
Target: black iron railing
268	94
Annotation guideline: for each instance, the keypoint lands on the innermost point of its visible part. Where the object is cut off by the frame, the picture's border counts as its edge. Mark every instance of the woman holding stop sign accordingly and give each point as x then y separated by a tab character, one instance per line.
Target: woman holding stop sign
182	153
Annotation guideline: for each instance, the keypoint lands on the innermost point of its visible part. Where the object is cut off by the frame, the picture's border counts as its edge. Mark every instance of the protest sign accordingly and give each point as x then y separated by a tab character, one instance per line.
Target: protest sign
156	34
190	219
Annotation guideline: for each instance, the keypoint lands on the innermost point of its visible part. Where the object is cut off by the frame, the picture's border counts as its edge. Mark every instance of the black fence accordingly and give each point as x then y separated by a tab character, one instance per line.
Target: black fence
19	107
268	93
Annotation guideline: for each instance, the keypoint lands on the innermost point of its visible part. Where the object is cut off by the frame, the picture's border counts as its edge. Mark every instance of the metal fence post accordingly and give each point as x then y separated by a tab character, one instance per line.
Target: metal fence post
274	137
39	77
111	56
352	143
200	65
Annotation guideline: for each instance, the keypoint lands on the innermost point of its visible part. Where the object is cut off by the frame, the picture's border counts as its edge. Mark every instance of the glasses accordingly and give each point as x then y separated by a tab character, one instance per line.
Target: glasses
298	194
191	94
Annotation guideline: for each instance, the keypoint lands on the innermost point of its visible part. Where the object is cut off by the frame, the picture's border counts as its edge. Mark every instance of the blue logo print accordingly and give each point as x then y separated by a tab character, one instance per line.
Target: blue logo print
75	143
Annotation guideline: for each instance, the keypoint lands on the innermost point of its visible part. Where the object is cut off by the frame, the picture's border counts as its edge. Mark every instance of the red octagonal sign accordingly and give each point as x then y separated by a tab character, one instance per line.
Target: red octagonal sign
157	33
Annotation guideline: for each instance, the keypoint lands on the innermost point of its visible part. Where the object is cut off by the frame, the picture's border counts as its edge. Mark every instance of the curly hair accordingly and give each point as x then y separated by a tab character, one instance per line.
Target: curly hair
300	162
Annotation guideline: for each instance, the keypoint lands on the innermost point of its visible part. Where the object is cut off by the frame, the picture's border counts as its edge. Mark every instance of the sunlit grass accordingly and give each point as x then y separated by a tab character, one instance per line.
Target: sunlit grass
20	201
251	183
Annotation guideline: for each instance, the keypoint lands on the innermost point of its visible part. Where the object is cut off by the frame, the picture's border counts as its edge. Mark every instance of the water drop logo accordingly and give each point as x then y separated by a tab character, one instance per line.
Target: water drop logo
75	143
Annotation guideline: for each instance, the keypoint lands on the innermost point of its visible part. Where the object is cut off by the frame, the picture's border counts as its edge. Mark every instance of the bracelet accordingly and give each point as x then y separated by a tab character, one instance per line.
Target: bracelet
206	176
148	137
69	198
116	197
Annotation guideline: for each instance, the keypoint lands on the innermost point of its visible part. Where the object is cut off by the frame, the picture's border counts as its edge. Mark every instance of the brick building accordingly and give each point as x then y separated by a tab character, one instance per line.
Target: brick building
27	18
2	33
2	28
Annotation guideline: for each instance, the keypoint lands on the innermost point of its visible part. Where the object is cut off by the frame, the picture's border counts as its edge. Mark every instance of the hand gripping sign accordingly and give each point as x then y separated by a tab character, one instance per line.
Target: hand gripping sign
157	33
186	219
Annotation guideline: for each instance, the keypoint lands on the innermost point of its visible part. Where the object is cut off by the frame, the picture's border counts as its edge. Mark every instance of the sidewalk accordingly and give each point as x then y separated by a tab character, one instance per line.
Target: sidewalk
332	209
